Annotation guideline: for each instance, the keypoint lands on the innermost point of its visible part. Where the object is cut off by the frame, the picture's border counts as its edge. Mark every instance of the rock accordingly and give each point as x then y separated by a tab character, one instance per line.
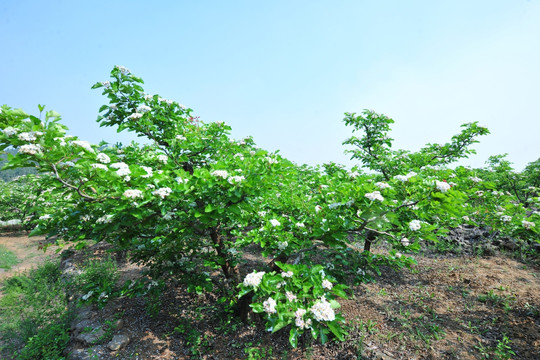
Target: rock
118	324
92	337
118	342
91	353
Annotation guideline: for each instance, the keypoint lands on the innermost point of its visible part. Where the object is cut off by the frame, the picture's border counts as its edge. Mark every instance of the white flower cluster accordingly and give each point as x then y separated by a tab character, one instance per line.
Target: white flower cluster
405	178
144	109
124	70
105	219
181	138
322	311
300	225
238	155
318	208
235	179
290	296
354	174
220	173
149	171
162	192
275	222
135	116
327	284
181	180
253	279
270	306
100	166
163	158
45	217
103	158
287	274
475	179
148	97
506	218
10	131
271	160
442	186
28	136
415	225
282	245
405	242
84	144
299	321
376	195
123	168
382	185
133	194
527	224
30	149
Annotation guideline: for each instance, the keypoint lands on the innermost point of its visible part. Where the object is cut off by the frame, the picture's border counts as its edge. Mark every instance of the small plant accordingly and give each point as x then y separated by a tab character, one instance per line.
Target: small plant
98	281
503	350
7	258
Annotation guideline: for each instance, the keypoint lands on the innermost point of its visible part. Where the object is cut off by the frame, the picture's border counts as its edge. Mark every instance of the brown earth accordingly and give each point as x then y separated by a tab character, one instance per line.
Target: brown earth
443	308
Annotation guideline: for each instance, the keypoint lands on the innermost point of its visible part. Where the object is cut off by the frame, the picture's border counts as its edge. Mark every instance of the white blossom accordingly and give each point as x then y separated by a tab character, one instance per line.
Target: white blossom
466	218
235	179
84	144
135	116
253	279
322	311
475	179
163	158
180	138
442	186
376	195
144	109
382	185
149	171
287	274
405	242
415	225
162	192
506	218
181	180
318	208
405	178
10	131
30	149
107	84
123	69
275	222
105	219
103	158
300	225
148	97
27	136
282	245
527	224
133	194
100	166
327	284
269	306
290	296
354	174
220	173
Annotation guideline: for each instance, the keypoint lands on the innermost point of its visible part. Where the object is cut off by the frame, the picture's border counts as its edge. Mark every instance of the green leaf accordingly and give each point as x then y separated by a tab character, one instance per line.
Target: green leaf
336	330
293	337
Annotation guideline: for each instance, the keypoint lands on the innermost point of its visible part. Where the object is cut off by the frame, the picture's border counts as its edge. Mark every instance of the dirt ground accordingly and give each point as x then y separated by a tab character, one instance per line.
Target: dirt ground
456	307
28	250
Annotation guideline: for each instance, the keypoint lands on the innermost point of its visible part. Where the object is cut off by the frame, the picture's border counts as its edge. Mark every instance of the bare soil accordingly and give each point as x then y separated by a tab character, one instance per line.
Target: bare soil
456	307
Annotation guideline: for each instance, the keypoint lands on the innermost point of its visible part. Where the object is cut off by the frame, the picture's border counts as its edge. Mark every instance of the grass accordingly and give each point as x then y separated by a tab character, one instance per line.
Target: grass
7	258
33	315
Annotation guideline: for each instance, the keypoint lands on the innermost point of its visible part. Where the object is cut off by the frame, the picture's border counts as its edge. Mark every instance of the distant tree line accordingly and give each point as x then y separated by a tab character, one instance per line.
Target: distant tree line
10	174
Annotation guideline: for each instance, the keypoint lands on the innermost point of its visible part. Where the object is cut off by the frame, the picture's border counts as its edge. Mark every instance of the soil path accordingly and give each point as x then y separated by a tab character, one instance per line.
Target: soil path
27	249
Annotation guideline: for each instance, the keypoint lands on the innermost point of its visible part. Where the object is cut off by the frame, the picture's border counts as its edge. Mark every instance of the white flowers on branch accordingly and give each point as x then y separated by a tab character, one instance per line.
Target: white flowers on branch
415	225
322	311
442	186
376	195
162	192
253	279
103	158
133	194
84	144
269	306
30	149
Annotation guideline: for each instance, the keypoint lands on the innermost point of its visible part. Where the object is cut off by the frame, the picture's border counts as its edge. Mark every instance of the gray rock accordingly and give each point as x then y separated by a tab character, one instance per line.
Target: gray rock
92	337
118	342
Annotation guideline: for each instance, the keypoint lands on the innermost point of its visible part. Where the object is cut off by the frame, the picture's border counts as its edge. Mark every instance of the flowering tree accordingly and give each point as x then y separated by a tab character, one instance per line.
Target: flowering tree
189	203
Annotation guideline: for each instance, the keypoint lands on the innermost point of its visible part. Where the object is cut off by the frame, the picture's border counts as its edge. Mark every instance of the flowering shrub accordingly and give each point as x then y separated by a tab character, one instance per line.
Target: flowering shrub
188	204
298	296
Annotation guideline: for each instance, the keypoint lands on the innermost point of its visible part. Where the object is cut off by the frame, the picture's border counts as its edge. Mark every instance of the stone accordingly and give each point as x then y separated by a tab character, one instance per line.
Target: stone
92	337
118	342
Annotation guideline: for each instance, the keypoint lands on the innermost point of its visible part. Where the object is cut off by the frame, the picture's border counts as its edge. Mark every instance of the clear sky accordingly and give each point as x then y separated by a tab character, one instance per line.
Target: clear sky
284	72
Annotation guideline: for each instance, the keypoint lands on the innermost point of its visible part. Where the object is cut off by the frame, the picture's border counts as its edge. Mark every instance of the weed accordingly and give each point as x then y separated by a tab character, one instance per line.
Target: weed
7	258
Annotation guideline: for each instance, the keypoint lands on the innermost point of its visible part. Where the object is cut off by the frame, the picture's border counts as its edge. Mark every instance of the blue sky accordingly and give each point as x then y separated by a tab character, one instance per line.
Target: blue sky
284	72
